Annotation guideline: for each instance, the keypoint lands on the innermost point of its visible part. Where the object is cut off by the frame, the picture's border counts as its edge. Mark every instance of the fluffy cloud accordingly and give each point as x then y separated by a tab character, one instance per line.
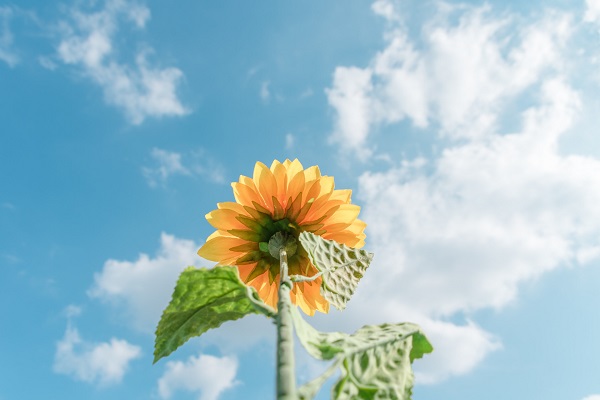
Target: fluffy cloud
490	216
458	347
7	53
206	374
461	233
289	141
468	65
142	288
141	90
592	397
168	163
102	363
494	208
592	12
265	93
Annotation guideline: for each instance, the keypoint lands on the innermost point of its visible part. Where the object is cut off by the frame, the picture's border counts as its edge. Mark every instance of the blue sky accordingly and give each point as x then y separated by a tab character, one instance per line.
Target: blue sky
468	132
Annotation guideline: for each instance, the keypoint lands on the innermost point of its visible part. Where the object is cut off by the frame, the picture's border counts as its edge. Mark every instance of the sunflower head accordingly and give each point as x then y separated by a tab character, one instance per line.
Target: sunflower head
285	199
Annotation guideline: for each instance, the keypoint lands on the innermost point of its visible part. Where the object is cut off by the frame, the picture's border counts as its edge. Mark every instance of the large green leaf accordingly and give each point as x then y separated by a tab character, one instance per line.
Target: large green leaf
204	299
341	267
375	360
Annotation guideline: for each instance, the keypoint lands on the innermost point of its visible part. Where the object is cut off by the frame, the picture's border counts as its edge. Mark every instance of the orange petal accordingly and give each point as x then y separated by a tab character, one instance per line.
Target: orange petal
357	227
281	177
321	303
294	208
296	185
327	185
322	213
322	206
344	237
301	302
293	168
245	194
246	270
266	184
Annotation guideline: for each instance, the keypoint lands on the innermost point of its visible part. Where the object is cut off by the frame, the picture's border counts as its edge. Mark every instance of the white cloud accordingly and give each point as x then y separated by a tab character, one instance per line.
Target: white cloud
47	63
289	141
462	231
198	163
208	375
204	165
508	208
7	53
141	90
142	288
306	93
459	76
72	311
102	363
592	397
265	93
458	348
169	163
592	12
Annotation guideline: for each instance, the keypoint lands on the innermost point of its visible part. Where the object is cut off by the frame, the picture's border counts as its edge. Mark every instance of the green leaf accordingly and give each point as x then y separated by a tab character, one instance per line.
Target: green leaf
204	299
341	267
375	360
320	345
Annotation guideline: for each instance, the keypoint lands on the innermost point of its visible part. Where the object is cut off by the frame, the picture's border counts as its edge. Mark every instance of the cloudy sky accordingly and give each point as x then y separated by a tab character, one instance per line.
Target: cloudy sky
468	132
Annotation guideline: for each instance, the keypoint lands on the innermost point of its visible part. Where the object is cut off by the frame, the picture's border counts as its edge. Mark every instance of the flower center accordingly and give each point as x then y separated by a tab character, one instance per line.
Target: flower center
282	240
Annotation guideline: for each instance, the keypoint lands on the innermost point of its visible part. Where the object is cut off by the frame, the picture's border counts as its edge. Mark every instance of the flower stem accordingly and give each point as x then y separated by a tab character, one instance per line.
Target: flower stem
286	374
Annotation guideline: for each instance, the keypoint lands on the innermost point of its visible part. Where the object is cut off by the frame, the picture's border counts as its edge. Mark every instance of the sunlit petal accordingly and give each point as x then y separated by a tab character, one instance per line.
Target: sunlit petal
284	197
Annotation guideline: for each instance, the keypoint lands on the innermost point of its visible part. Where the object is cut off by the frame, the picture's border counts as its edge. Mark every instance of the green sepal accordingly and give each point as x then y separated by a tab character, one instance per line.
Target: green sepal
341	267
375	361
204	299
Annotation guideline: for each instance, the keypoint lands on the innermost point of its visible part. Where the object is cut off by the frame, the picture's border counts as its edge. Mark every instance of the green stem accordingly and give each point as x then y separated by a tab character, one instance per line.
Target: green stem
286	374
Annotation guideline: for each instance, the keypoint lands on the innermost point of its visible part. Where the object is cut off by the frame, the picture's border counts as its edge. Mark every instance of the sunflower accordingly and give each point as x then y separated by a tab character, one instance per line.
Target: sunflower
289	199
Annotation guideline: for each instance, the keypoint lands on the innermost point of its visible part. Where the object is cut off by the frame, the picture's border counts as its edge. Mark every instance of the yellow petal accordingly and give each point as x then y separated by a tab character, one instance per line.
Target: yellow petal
346	213
342	195
301	302
230	205
312	173
327	185
312	190
344	237
245	194
293	168
280	174
296	185
224	219
266	184
218	249
357	227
